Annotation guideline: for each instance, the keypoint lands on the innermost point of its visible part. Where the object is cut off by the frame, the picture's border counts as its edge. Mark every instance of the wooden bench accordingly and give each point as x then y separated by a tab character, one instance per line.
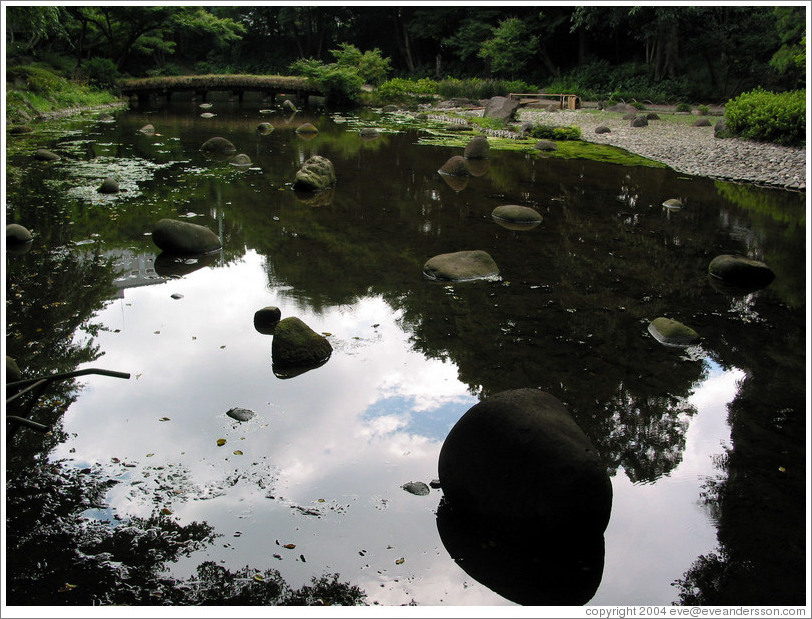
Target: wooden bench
571	102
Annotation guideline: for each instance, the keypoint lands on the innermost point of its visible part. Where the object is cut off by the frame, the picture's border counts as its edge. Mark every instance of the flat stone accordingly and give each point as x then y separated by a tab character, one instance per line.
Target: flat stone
461	266
673	333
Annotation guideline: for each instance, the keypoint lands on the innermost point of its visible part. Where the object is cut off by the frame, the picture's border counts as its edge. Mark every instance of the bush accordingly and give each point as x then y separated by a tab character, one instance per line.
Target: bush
683	107
371	66
768	117
399	89
475	88
341	85
100	72
547	132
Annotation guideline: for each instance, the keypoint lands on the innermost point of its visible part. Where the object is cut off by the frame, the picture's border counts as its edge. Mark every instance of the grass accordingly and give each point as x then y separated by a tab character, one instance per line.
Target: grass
33	91
214	81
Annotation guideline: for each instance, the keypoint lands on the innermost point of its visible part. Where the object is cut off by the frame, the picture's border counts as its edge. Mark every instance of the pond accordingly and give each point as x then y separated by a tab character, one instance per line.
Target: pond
146	492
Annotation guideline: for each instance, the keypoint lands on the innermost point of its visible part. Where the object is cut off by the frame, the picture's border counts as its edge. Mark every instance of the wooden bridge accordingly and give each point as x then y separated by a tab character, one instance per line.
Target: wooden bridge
148	89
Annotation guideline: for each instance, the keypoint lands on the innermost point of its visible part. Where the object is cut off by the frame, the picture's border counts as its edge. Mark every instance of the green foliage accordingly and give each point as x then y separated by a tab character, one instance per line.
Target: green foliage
487	123
341	85
547	132
400	89
511	48
768	117
790	59
683	107
704	110
372	67
475	88
100	72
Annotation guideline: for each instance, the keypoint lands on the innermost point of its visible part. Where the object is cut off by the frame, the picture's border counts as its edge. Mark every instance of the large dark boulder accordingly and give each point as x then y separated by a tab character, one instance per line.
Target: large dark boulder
455	166
639	121
181	237
501	108
519	457
316	174
477	148
295	345
461	266
741	272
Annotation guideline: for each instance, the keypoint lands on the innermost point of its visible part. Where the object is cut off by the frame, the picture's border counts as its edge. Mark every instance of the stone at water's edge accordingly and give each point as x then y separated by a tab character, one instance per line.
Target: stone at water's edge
264	128
182	237
297	345
673	203
316	174
306	128
477	148
519	457
545	145
673	333
741	271
502	108
461	266
13	373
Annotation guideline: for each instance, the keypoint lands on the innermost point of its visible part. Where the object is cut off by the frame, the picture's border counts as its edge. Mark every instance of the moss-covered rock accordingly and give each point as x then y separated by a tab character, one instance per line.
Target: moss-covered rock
43	154
109	185
295	345
740	271
218	146
316	174
181	237
17	234
673	333
461	266
266	319
516	217
477	148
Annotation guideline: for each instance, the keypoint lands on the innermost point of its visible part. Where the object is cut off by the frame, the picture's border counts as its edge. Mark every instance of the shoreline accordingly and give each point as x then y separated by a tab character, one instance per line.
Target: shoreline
685	148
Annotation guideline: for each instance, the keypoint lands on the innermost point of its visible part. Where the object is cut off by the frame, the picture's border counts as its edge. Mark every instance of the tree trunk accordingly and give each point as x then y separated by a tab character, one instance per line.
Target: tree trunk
403	41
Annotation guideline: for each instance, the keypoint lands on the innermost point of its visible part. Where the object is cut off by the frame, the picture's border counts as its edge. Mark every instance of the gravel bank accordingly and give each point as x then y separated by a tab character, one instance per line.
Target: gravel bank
687	149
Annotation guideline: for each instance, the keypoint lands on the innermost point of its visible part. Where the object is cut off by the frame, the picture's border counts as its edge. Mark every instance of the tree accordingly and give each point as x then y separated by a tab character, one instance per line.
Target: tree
37	23
790	59
510	48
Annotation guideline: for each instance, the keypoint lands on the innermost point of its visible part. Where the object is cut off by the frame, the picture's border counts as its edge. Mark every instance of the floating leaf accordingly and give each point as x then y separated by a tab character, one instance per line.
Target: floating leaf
166	512
221	442
223	346
67	587
302	558
399	561
237	452
321	500
157	332
137	376
150	455
116	460
782	469
164	419
259	578
289	546
326	333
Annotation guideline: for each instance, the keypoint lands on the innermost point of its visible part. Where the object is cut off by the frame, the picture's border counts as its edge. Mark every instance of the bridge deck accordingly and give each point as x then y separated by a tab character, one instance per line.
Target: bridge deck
203	84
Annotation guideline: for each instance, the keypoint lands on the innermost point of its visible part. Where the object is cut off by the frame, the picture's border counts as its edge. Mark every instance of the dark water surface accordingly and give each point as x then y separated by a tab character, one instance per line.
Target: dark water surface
705	446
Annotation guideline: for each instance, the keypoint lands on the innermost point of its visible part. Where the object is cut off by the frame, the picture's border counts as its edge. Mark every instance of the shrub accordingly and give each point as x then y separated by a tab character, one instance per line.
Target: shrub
703	110
683	107
398	88
100	72
371	66
547	132
476	88
768	117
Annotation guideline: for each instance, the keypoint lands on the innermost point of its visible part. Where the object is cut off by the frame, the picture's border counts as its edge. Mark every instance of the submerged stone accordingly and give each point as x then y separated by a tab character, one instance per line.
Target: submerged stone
266	319
182	237
516	217
416	487
17	234
477	148
672	203
461	266
673	333
741	271
218	146
307	128
241	414
43	154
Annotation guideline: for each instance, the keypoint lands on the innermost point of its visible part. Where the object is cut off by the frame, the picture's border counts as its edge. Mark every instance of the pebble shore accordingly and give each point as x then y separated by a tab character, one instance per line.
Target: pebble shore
687	149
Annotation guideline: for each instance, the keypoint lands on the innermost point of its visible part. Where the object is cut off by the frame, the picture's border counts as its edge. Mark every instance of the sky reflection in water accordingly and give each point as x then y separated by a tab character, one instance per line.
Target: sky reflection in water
323	461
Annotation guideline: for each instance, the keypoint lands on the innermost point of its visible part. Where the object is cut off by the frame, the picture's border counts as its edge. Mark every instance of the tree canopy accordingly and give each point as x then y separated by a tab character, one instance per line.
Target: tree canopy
720	49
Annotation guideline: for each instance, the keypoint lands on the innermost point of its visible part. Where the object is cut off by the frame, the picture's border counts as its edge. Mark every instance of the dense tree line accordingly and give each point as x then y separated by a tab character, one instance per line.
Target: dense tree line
711	51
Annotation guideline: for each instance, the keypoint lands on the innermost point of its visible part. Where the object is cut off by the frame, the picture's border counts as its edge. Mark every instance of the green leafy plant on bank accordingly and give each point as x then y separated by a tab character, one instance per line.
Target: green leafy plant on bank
768	116
475	88
547	132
